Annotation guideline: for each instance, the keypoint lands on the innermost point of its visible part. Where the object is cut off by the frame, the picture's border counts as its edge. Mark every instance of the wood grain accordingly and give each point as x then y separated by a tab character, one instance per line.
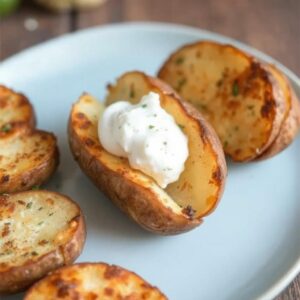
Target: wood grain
272	26
14	37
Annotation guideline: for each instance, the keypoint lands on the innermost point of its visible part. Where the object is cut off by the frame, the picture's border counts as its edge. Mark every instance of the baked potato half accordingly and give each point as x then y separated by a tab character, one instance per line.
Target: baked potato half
181	206
28	157
40	231
16	113
291	123
97	281
238	95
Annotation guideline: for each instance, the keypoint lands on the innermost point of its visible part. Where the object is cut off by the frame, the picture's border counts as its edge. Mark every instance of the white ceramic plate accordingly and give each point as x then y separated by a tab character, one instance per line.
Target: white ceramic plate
249	248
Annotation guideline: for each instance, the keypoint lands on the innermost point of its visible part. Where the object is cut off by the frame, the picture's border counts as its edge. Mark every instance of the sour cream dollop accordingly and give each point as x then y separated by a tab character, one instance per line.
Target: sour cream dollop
147	135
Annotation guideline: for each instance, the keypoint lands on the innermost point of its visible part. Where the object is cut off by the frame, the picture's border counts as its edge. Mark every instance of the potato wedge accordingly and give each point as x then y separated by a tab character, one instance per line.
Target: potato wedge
291	123
27	160
237	94
28	156
97	281
181	206
40	231
16	113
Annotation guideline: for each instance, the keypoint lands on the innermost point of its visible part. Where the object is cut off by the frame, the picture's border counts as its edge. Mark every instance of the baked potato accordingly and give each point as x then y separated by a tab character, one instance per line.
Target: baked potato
175	209
97	281
28	157
40	231
16	113
238	95
291	123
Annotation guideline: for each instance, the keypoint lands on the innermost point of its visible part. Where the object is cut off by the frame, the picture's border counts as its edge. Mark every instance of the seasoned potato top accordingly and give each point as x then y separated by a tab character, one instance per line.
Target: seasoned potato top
96	281
21	155
237	95
32	224
16	113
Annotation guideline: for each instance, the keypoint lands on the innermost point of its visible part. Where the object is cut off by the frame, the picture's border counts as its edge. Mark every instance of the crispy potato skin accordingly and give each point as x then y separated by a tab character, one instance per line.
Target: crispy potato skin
135	199
108	281
291	124
21	144
220	107
15	279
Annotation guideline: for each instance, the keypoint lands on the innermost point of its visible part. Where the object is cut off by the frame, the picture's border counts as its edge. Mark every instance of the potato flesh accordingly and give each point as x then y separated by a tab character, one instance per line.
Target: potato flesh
197	185
24	153
92	109
230	90
32	225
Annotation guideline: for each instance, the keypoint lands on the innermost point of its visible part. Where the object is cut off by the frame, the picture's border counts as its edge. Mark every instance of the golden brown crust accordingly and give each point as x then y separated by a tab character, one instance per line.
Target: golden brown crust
16	278
28	156
107	282
236	93
39	149
291	124
16	113
137	194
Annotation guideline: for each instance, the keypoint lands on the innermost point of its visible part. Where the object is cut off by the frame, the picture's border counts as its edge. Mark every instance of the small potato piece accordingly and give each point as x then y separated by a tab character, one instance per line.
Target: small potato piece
237	95
28	156
16	113
181	206
27	160
40	231
97	281
291	124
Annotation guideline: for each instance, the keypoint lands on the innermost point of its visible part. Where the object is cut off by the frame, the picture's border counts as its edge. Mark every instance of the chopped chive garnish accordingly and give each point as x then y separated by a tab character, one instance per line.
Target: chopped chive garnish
181	83
179	60
6	128
235	89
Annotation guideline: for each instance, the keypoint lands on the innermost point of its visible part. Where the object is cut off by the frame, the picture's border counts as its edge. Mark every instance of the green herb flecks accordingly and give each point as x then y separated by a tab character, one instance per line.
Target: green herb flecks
181	83
132	92
6	128
202	106
179	60
29	205
144	105
35	188
151	126
235	89
181	126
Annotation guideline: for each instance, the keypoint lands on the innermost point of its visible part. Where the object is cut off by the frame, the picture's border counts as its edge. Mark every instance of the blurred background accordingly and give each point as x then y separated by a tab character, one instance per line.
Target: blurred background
272	26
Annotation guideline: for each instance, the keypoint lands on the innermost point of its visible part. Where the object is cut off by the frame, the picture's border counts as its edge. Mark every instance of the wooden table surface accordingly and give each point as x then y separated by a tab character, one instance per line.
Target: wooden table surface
272	26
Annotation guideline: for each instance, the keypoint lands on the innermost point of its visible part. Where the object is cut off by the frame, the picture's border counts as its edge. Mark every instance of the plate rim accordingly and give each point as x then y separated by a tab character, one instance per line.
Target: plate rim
293	271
